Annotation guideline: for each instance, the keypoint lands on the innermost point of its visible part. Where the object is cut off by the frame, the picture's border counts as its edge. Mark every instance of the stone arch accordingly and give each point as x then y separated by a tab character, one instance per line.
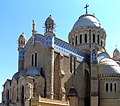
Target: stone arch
21	80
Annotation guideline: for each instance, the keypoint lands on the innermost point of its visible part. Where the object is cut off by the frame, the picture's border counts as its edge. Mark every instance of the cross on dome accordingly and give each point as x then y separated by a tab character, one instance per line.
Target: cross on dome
86	7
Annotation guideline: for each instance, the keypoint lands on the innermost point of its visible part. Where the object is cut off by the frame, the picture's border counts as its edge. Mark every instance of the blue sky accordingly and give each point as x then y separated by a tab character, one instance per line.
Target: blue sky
16	17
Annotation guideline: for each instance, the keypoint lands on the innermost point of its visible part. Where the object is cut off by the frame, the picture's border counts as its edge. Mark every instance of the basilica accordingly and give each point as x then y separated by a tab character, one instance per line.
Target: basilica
53	72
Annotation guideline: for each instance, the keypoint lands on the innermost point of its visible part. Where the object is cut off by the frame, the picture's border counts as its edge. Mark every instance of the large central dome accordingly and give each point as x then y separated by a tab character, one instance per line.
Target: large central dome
86	25
87	20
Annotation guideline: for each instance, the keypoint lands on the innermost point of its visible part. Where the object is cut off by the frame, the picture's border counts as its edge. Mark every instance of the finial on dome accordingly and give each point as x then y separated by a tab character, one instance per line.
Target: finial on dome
34	27
86	8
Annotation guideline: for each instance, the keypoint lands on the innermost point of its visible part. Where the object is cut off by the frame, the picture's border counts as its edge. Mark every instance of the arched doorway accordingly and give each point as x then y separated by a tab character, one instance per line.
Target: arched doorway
22	96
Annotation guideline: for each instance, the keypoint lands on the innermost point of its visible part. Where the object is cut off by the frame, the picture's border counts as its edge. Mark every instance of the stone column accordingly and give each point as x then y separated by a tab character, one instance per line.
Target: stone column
49	72
49	64
61	75
94	85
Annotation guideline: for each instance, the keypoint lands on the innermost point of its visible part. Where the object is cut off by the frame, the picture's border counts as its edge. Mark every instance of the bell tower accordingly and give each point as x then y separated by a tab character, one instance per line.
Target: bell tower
21	44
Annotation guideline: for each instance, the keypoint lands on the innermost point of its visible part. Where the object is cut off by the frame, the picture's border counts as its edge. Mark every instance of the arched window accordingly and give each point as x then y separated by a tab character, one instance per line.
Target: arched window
22	96
111	87
98	39
93	38
101	43
80	39
36	58
7	97
106	87
76	40
74	64
85	38
115	87
32	60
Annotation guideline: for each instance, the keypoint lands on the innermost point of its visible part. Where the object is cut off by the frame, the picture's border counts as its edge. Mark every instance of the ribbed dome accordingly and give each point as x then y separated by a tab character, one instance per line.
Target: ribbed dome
109	67
87	20
33	72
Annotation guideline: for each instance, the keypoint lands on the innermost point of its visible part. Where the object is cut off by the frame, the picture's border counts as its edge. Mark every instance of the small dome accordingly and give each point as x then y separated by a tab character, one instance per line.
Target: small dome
87	20
72	92
116	53
22	36
22	40
33	72
16	75
49	24
49	20
108	67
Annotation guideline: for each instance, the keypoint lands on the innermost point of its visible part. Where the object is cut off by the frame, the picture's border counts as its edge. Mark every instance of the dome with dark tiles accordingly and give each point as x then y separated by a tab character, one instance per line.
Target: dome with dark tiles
33	72
16	75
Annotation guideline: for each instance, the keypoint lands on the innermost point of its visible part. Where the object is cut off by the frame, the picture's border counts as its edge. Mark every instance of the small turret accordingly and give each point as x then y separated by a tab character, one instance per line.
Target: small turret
116	53
22	41
49	24
21	44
